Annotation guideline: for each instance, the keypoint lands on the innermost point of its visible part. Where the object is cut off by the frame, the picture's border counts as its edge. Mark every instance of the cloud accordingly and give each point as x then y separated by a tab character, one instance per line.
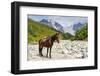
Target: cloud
65	21
68	20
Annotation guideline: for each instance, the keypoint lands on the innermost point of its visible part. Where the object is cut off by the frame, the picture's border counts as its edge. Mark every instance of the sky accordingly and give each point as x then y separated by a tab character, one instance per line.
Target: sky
65	21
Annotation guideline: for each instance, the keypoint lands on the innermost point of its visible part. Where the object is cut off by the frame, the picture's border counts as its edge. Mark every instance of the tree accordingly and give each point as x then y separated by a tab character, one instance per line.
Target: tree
82	33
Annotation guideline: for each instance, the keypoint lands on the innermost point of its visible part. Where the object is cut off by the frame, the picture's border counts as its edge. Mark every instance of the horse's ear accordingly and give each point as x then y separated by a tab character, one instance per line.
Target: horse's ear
57	33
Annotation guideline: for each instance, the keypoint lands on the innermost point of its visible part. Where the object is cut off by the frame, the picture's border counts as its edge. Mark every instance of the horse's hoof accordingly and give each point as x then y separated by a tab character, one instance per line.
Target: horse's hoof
47	56
41	55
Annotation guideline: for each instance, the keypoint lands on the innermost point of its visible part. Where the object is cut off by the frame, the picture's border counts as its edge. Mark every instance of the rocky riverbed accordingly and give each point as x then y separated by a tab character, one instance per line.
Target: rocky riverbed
66	49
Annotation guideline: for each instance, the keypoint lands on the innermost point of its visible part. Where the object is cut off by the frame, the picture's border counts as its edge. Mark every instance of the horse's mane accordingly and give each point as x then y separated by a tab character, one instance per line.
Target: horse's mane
53	36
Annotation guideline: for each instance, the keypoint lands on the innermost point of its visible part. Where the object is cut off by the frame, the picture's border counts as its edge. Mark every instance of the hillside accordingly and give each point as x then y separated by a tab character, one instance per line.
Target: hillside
82	33
38	30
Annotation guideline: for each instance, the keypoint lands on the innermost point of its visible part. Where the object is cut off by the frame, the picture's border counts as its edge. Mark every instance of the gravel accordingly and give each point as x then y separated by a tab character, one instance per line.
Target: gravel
66	49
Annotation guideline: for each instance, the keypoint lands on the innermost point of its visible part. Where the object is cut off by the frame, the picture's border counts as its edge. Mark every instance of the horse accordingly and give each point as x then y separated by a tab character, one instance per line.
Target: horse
48	42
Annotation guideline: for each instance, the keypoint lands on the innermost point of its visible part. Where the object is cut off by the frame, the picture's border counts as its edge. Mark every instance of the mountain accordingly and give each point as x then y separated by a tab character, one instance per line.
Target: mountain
82	33
67	35
37	30
73	28
53	24
69	30
77	26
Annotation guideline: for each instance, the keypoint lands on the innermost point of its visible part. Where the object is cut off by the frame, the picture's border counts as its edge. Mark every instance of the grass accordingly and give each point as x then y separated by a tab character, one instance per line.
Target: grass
37	30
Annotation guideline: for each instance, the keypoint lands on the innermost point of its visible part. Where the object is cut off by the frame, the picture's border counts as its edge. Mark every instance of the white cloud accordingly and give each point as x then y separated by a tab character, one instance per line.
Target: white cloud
65	21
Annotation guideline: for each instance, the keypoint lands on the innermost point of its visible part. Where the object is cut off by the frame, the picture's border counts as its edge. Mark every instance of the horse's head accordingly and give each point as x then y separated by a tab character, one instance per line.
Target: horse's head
57	37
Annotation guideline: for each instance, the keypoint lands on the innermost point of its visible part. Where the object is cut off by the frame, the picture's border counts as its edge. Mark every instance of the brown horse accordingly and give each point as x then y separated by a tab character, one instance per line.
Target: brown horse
48	42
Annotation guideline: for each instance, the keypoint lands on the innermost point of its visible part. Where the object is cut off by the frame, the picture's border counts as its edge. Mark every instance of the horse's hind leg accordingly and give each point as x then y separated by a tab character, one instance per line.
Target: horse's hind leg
40	50
50	52
47	52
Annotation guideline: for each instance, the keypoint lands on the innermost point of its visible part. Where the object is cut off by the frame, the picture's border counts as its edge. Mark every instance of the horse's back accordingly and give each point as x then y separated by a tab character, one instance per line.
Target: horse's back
46	42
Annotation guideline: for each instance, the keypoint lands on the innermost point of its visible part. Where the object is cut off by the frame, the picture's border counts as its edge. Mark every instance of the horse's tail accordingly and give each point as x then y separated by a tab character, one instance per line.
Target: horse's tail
40	47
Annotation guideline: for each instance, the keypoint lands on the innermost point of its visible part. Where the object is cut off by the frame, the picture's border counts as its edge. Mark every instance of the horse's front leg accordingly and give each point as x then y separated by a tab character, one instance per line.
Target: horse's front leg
47	52
50	52
41	51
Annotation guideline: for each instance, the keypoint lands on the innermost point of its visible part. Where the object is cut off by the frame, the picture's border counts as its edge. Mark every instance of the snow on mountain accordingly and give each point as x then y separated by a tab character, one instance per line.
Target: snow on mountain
77	26
69	30
73	28
53	24
56	25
